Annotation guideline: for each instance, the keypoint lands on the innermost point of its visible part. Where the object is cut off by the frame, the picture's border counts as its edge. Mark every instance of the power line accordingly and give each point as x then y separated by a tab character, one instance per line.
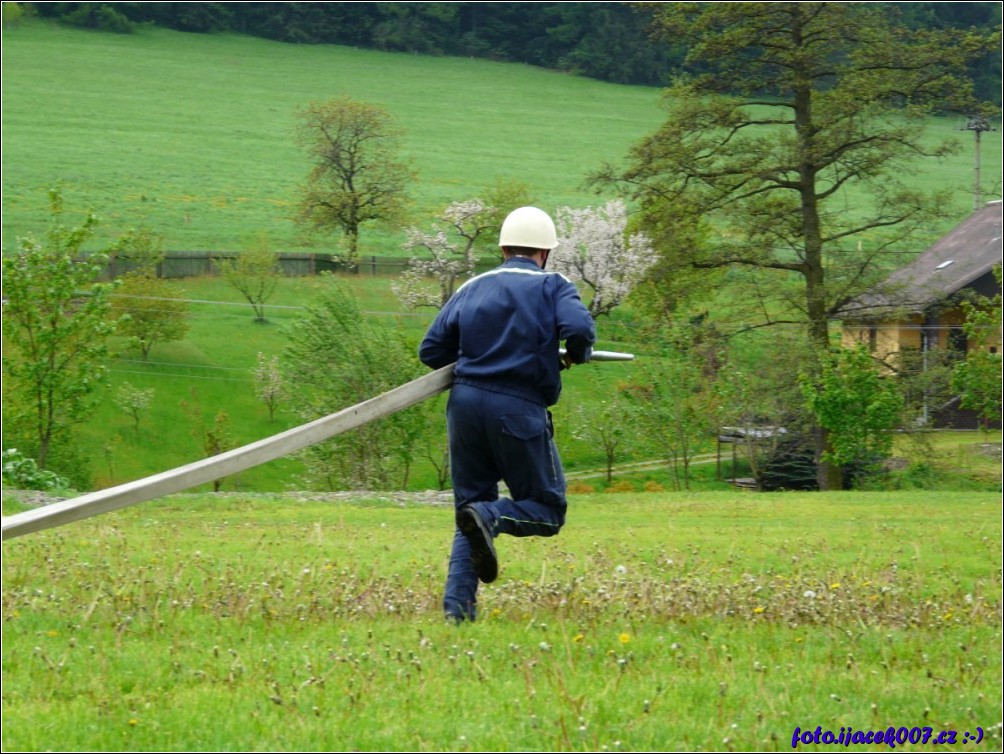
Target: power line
200	301
238	303
187	366
183	376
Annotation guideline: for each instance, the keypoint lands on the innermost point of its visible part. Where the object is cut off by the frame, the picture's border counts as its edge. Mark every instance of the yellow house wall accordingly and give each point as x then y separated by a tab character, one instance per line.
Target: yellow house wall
889	337
892	337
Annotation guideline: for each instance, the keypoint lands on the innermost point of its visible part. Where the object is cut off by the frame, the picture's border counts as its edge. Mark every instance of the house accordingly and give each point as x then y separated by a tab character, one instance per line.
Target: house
916	310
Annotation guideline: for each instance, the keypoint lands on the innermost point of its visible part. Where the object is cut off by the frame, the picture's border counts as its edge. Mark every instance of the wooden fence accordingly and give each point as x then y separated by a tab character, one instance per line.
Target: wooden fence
182	264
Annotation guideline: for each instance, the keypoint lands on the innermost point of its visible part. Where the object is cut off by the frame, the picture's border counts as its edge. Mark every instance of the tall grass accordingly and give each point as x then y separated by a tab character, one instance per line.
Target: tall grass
653	622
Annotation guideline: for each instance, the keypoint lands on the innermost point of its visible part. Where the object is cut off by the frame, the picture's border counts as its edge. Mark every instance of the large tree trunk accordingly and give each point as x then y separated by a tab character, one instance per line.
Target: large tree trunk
828	475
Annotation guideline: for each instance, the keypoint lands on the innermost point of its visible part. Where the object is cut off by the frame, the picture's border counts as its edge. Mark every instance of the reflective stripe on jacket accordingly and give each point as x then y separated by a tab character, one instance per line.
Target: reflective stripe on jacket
504	328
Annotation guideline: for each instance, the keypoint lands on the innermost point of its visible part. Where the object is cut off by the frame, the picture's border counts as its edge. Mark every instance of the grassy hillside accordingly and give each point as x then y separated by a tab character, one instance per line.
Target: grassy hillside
190	134
713	622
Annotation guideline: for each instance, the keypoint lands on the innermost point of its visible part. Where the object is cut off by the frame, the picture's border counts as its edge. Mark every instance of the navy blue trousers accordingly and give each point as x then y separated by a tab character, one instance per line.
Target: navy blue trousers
497	437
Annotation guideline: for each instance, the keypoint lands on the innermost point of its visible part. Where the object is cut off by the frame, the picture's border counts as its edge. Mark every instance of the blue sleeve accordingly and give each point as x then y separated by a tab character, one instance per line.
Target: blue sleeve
575	324
441	345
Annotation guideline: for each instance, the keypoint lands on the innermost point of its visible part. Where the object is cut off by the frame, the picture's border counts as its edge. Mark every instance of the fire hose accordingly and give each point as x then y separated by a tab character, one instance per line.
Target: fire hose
243	458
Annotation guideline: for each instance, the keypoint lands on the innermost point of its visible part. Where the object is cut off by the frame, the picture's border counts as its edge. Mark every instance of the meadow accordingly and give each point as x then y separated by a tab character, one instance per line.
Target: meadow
212	369
654	622
190	135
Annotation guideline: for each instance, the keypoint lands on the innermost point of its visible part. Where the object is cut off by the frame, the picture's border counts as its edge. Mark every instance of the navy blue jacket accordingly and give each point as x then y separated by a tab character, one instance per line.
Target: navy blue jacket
503	328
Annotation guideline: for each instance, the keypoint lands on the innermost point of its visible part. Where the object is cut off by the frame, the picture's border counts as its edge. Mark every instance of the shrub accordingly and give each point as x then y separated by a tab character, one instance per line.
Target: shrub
99	16
622	486
22	472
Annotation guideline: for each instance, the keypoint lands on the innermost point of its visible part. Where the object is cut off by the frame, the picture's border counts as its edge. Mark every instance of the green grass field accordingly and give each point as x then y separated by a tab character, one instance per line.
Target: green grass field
714	622
190	134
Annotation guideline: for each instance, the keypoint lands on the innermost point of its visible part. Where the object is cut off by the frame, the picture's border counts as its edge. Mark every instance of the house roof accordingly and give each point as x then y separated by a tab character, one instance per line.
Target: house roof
968	252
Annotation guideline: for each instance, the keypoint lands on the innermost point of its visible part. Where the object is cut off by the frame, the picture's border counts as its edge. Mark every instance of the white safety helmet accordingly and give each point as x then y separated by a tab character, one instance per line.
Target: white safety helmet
529	228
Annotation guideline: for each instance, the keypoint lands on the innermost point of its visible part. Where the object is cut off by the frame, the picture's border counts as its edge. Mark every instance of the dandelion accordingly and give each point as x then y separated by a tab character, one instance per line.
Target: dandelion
809	594
759	609
624	638
578	638
621	569
133	721
835	585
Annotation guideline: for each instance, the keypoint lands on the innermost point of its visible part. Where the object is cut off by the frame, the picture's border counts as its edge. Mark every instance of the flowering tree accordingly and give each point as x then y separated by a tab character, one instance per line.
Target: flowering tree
449	261
592	249
134	401
269	385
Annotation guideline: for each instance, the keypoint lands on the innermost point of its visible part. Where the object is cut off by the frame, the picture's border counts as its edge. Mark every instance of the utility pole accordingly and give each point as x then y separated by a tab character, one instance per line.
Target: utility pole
977	124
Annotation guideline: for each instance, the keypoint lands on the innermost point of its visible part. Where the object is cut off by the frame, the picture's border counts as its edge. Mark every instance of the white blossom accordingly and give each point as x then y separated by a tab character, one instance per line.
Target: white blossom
592	250
446	261
269	383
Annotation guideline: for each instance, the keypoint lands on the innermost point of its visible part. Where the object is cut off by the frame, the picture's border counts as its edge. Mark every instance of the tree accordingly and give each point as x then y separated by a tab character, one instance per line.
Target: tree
336	358
462	235
448	262
855	404
675	409
56	328
978	377
214	439
357	176
592	249
254	272
134	401
788	107
269	385
605	427
676	404
152	313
